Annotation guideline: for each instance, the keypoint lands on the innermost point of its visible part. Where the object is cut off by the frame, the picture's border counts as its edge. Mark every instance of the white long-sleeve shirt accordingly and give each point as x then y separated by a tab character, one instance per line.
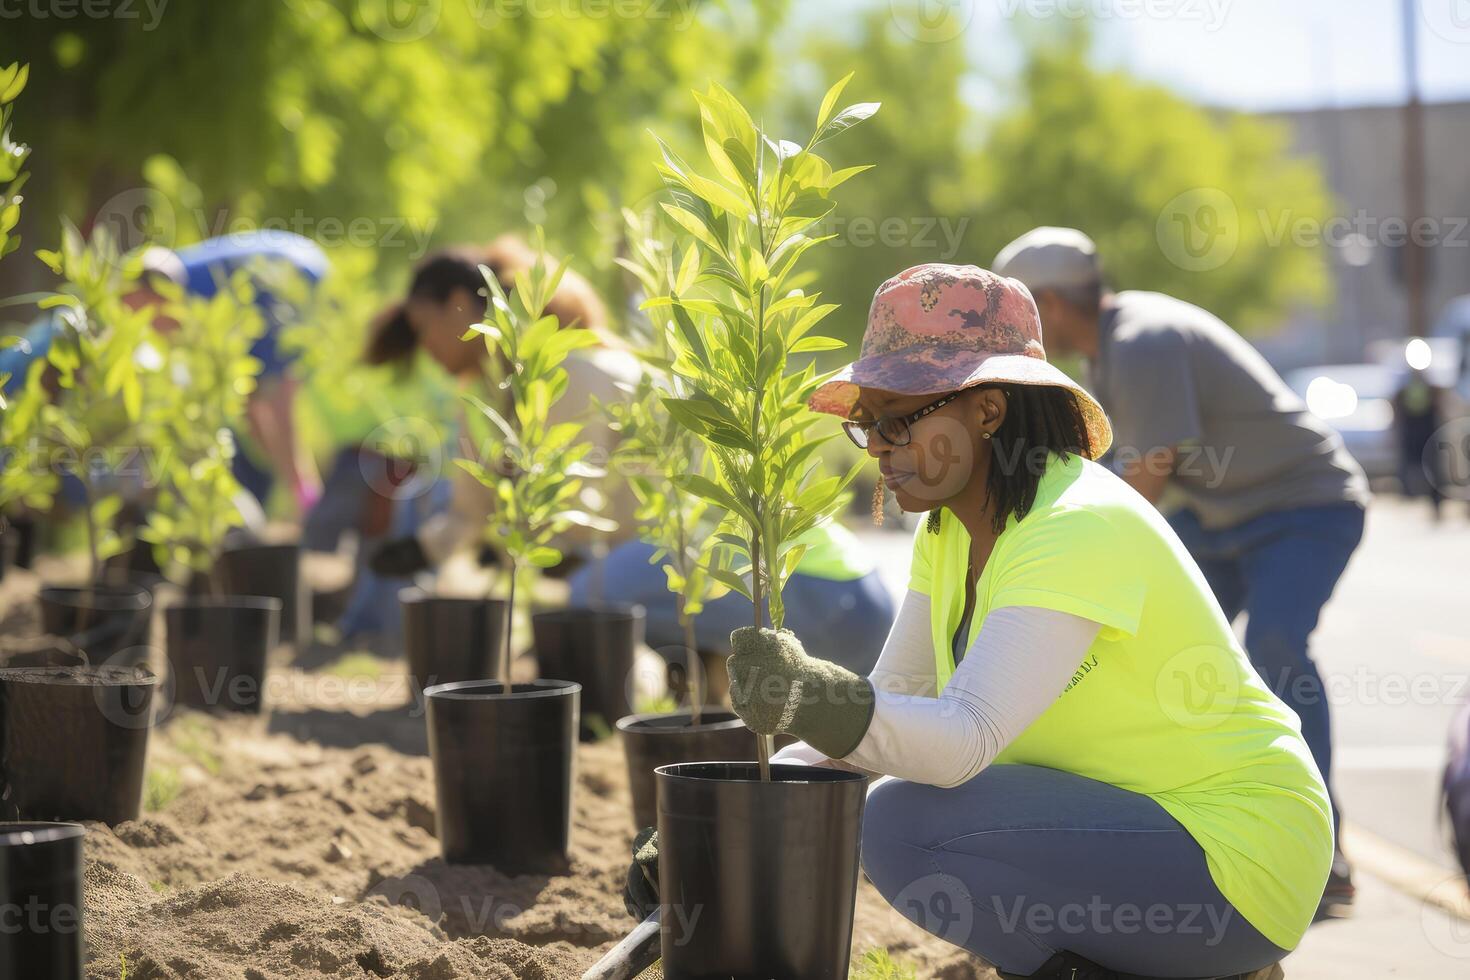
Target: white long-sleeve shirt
1021	660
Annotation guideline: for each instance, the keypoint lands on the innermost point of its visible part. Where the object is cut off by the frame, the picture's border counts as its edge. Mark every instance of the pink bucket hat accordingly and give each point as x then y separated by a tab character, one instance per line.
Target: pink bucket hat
938	328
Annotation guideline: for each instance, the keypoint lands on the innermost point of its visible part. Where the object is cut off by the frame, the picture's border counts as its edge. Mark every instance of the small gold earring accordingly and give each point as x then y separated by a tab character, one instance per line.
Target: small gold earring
985	435
878	502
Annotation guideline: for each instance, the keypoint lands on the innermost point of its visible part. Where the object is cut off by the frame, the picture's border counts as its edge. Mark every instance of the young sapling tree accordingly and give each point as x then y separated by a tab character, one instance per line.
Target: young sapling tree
209	376
24	479
12	157
534	469
655	450
104	354
741	322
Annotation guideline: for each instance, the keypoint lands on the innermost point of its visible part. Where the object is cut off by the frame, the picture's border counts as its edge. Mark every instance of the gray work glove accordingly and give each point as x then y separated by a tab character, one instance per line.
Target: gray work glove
776	687
640	888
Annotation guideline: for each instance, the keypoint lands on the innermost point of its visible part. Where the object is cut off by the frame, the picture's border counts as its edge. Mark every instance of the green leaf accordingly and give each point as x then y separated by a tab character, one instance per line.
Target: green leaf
734	582
829	101
714	493
15	84
584	519
689	332
809	345
846	119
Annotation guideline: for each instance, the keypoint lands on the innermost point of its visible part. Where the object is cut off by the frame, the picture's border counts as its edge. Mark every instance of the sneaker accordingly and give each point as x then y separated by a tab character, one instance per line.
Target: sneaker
1272	972
1337	897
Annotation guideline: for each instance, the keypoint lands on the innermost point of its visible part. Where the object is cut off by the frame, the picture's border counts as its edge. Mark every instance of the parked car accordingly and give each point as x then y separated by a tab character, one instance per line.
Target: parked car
1357	401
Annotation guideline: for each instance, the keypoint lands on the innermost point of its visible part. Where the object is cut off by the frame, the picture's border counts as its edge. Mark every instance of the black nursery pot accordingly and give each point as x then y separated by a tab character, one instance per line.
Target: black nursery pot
758	878
74	741
654	740
593	646
450	638
109	622
217	650
272	570
503	772
17	542
41	889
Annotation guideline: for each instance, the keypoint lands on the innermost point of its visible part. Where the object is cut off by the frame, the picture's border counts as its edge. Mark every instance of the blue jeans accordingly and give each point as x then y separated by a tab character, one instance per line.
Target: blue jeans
844	622
1280	569
1022	862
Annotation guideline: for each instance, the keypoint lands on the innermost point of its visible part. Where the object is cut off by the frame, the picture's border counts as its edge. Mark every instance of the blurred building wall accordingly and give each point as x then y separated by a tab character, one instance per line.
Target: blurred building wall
1361	150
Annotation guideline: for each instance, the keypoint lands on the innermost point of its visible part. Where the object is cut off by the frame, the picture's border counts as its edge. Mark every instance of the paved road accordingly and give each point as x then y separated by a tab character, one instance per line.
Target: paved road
1395	645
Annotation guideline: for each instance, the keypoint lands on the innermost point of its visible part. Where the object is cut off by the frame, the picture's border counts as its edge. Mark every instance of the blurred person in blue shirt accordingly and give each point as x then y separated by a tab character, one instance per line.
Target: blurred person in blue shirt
271	449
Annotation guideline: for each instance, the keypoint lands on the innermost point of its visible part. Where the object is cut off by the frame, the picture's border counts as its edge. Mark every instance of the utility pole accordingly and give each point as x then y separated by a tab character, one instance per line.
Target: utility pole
1415	264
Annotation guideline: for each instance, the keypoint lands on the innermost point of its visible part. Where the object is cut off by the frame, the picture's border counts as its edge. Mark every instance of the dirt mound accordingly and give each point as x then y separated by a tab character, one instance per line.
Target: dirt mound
266	930
300	844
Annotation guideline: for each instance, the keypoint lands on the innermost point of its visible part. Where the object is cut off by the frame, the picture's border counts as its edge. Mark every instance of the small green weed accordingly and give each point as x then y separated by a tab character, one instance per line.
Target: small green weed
161	786
353	665
192	736
876	964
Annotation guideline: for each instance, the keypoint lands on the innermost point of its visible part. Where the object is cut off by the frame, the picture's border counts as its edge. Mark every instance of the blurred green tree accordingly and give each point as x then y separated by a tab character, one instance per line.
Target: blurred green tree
450	119
917	205
1179	198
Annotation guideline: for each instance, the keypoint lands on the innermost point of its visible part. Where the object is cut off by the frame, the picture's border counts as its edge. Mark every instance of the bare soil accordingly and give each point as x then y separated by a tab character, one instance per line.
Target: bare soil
300	843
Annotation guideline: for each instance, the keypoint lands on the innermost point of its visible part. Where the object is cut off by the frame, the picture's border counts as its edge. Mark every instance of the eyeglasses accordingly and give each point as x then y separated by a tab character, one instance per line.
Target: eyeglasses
894	428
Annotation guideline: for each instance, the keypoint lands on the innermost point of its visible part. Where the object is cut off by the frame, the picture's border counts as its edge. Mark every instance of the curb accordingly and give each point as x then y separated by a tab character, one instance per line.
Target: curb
1408	872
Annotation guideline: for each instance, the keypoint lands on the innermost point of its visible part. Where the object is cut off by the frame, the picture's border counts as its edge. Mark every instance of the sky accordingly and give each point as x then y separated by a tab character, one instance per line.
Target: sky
1245	54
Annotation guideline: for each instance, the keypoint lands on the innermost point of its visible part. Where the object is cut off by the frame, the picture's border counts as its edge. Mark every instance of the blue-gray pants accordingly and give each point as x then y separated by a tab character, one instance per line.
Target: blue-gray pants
1022	862
844	622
